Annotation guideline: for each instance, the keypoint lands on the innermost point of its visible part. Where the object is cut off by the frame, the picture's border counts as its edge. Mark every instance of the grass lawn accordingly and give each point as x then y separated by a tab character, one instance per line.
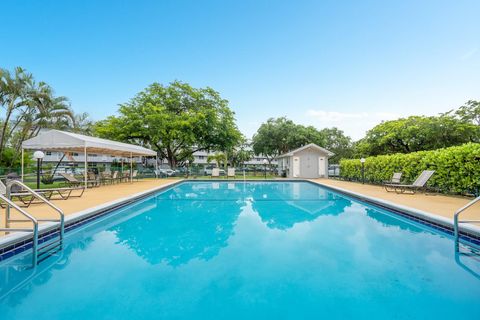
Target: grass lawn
62	184
238	177
56	184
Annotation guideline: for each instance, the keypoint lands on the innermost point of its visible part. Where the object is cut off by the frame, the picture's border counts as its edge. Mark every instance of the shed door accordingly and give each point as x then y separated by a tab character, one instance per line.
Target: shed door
321	166
296	167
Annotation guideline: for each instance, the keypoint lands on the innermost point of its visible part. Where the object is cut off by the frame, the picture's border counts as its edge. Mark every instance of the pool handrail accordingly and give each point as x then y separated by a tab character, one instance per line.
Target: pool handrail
456	222
60	212
60	220
31	218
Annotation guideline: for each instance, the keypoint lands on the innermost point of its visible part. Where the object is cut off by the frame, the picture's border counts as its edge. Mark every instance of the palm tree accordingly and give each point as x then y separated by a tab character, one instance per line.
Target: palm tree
83	124
45	111
14	95
219	158
31	106
50	111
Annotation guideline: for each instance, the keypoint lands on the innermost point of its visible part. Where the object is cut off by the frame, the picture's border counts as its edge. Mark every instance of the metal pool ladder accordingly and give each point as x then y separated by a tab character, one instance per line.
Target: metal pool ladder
50	247
456	221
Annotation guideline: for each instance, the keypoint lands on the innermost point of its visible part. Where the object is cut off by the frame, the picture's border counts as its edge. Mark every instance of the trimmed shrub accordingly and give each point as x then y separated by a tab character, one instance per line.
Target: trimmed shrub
457	169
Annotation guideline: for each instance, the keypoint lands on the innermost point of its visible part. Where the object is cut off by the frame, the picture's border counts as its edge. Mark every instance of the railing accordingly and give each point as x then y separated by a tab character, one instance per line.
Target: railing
464	266
456	221
40	197
27	190
34	230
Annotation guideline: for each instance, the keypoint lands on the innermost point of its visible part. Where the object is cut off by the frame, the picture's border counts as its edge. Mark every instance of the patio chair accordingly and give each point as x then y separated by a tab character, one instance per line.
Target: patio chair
125	176
419	184
74	182
215	173
396	179
70	179
115	177
135	175
25	198
62	193
106	177
231	173
93	179
28	199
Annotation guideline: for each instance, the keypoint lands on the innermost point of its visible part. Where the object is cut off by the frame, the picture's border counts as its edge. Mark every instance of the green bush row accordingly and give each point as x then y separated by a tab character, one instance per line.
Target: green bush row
457	169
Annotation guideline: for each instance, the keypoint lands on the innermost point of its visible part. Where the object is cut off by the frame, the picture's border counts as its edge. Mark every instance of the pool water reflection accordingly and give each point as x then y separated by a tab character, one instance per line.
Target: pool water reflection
245	250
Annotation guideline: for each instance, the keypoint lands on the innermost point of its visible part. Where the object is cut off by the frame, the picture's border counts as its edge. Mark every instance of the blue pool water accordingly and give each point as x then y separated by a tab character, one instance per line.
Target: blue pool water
259	250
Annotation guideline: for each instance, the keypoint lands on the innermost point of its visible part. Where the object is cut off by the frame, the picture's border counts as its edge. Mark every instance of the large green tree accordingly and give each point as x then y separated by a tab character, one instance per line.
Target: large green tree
274	137
176	120
470	112
417	133
280	135
337	142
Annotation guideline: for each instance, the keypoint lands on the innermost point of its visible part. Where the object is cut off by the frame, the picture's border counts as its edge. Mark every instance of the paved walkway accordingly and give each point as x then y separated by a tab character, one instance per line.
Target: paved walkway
432	203
91	198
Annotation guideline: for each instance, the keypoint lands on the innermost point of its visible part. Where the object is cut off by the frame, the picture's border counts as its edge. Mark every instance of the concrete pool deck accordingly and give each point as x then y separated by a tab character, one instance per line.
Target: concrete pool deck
91	198
437	204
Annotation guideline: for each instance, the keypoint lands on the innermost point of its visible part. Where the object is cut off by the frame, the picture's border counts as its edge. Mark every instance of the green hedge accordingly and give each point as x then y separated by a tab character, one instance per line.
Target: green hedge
457	169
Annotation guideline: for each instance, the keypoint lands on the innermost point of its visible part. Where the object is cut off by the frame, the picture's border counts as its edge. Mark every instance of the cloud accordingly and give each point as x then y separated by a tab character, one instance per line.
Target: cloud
334	116
470	53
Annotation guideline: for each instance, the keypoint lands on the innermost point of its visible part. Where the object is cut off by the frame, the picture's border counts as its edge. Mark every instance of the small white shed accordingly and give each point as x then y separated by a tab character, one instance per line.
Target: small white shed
310	161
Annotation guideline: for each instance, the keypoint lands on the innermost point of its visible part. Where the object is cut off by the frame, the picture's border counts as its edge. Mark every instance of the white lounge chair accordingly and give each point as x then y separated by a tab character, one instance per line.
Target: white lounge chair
135	174
396	179
231	173
419	184
215	173
27	199
74	182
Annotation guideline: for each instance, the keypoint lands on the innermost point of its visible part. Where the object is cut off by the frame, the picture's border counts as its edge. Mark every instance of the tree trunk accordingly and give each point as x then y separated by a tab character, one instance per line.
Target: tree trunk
172	160
58	163
4	130
17	148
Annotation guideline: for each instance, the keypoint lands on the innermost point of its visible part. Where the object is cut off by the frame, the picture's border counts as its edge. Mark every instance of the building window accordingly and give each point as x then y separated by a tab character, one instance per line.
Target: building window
92	155
74	154
201	157
48	153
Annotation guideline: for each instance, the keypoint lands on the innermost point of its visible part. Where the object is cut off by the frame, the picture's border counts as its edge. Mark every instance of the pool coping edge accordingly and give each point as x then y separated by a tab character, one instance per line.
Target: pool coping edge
16	242
468	229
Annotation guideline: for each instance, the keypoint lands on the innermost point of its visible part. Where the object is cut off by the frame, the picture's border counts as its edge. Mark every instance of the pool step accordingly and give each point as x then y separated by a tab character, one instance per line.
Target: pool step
49	247
457	221
468	249
468	258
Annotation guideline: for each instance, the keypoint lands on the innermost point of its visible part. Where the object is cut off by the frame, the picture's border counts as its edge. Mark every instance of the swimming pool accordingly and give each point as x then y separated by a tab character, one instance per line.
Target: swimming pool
234	250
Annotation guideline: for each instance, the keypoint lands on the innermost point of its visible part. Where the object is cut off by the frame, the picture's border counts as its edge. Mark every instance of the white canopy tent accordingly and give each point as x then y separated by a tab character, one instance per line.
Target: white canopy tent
61	141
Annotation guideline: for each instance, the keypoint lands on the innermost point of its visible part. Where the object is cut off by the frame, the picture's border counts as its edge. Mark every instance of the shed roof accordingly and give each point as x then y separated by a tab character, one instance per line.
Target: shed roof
310	145
63	141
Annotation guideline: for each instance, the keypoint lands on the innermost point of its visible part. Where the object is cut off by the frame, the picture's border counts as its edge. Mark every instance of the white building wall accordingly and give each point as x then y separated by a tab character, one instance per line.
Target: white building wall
200	158
309	164
53	156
